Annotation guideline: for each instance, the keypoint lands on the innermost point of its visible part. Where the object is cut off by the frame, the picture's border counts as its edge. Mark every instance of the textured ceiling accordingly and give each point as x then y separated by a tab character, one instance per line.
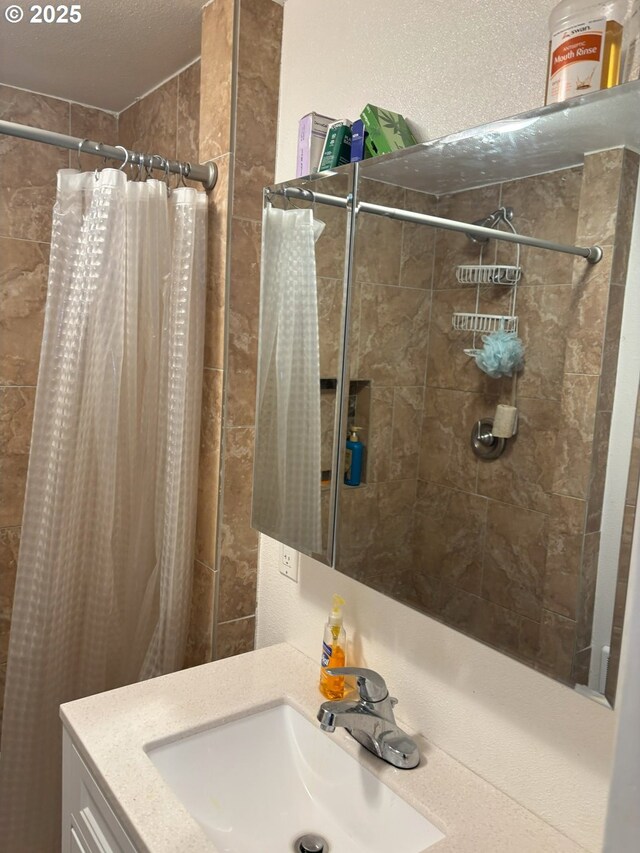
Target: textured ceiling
119	50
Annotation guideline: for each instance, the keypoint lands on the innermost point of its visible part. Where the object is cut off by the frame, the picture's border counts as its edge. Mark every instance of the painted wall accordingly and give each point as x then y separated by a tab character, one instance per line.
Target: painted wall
538	741
445	66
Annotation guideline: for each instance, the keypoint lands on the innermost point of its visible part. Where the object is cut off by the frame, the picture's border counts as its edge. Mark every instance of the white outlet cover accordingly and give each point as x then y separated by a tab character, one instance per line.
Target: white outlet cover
289	558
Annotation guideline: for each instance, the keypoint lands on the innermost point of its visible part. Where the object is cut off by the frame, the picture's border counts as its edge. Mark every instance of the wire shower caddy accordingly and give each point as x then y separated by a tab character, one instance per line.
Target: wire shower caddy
487	275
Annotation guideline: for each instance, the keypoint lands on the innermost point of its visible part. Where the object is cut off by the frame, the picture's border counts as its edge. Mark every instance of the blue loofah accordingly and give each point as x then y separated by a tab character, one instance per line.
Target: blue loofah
502	354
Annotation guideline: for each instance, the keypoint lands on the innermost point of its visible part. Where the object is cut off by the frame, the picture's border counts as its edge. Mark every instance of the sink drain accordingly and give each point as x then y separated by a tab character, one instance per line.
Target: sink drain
311	843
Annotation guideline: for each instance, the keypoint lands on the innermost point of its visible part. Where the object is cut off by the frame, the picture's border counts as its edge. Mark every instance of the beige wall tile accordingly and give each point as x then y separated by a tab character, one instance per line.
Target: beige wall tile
614	665
564	555
23	289
28	169
613	328
418	243
331	247
624	220
96	125
209	467
587	591
238	542
545	206
445	456
200	636
453	248
235	638
557	642
449	535
448	366
243	314
218	230
514	558
626	539
599	197
393	335
378	239
16	418
188	121
260	36
407	427
599	455
544	315
216	78
379	449
330	297
523	475
585	332
634	465
3	679
9	546
573	448
150	124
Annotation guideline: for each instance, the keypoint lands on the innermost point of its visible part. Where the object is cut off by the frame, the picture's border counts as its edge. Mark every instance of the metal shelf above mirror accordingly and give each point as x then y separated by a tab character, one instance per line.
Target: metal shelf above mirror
543	140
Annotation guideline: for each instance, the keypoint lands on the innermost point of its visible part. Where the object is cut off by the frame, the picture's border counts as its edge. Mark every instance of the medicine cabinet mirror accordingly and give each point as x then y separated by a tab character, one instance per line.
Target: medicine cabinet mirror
527	549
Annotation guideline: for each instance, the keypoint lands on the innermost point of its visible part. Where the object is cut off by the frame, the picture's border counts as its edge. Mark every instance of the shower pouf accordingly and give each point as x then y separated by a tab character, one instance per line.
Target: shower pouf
502	354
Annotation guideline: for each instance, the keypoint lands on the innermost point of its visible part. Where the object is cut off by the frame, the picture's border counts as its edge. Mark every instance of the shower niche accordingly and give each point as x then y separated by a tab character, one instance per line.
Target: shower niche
528	552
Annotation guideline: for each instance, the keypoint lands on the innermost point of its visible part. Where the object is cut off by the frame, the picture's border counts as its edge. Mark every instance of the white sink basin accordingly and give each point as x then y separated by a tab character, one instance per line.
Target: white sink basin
258	783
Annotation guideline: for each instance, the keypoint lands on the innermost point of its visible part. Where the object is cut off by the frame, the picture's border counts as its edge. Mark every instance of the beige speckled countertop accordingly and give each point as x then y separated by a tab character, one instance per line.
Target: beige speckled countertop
110	731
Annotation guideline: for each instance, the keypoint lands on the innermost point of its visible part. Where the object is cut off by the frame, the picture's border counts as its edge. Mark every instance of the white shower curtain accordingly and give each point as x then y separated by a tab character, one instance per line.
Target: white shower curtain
104	572
287	469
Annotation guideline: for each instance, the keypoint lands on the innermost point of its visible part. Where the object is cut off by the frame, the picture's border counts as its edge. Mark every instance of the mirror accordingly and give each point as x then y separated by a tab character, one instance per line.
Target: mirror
527	552
280	490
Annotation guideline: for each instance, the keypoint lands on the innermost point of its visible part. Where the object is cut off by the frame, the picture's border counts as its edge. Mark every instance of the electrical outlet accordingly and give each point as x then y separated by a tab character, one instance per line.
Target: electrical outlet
289	562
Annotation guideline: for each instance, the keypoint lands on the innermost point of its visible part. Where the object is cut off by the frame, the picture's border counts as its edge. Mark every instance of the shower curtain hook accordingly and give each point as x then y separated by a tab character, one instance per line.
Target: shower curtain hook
151	165
96	174
126	156
80	144
166	175
139	163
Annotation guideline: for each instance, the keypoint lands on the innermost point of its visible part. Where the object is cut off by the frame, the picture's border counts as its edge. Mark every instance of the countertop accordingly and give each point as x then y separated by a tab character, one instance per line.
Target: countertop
110	731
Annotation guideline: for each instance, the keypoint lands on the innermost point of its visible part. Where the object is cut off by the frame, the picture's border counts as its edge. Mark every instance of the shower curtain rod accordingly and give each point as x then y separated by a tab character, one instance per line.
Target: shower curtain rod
206	173
592	254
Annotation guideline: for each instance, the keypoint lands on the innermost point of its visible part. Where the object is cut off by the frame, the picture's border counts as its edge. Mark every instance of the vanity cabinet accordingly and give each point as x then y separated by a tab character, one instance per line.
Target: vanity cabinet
88	822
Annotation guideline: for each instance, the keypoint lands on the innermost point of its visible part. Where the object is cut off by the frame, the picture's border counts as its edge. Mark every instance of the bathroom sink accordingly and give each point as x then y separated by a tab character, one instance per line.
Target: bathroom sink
260	782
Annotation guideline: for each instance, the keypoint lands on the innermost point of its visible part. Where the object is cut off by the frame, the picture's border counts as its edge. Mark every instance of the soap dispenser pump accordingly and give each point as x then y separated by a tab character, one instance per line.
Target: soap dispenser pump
334	645
353	458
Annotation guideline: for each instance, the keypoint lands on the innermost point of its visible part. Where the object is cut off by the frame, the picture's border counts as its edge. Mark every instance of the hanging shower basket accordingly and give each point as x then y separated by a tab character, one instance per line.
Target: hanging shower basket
484	323
475	274
484	275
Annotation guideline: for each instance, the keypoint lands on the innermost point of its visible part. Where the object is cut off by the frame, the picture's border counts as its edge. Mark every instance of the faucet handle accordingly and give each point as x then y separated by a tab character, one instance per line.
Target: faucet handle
371	685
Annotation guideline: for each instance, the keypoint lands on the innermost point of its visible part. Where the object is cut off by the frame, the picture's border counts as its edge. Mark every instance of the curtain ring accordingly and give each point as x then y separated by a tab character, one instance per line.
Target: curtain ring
96	174
151	164
80	144
126	156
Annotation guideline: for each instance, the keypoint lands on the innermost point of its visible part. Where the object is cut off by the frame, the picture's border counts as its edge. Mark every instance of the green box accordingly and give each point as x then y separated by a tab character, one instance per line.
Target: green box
387	131
337	147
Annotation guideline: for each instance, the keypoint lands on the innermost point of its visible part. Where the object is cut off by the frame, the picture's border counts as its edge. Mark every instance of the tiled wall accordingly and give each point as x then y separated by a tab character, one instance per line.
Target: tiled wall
241	58
27	193
504	550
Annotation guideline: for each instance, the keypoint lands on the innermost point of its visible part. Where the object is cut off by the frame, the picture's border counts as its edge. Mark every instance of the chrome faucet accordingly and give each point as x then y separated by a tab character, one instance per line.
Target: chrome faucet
370	719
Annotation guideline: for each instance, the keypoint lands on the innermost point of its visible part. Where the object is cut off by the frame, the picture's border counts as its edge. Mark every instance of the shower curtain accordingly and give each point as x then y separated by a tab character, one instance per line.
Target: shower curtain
104	573
287	467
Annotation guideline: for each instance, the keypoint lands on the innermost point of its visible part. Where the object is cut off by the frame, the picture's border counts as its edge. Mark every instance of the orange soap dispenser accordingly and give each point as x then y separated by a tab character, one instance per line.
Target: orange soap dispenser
333	651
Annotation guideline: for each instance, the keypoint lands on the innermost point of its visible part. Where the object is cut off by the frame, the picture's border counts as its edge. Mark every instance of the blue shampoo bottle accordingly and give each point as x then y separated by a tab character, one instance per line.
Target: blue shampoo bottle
353	459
